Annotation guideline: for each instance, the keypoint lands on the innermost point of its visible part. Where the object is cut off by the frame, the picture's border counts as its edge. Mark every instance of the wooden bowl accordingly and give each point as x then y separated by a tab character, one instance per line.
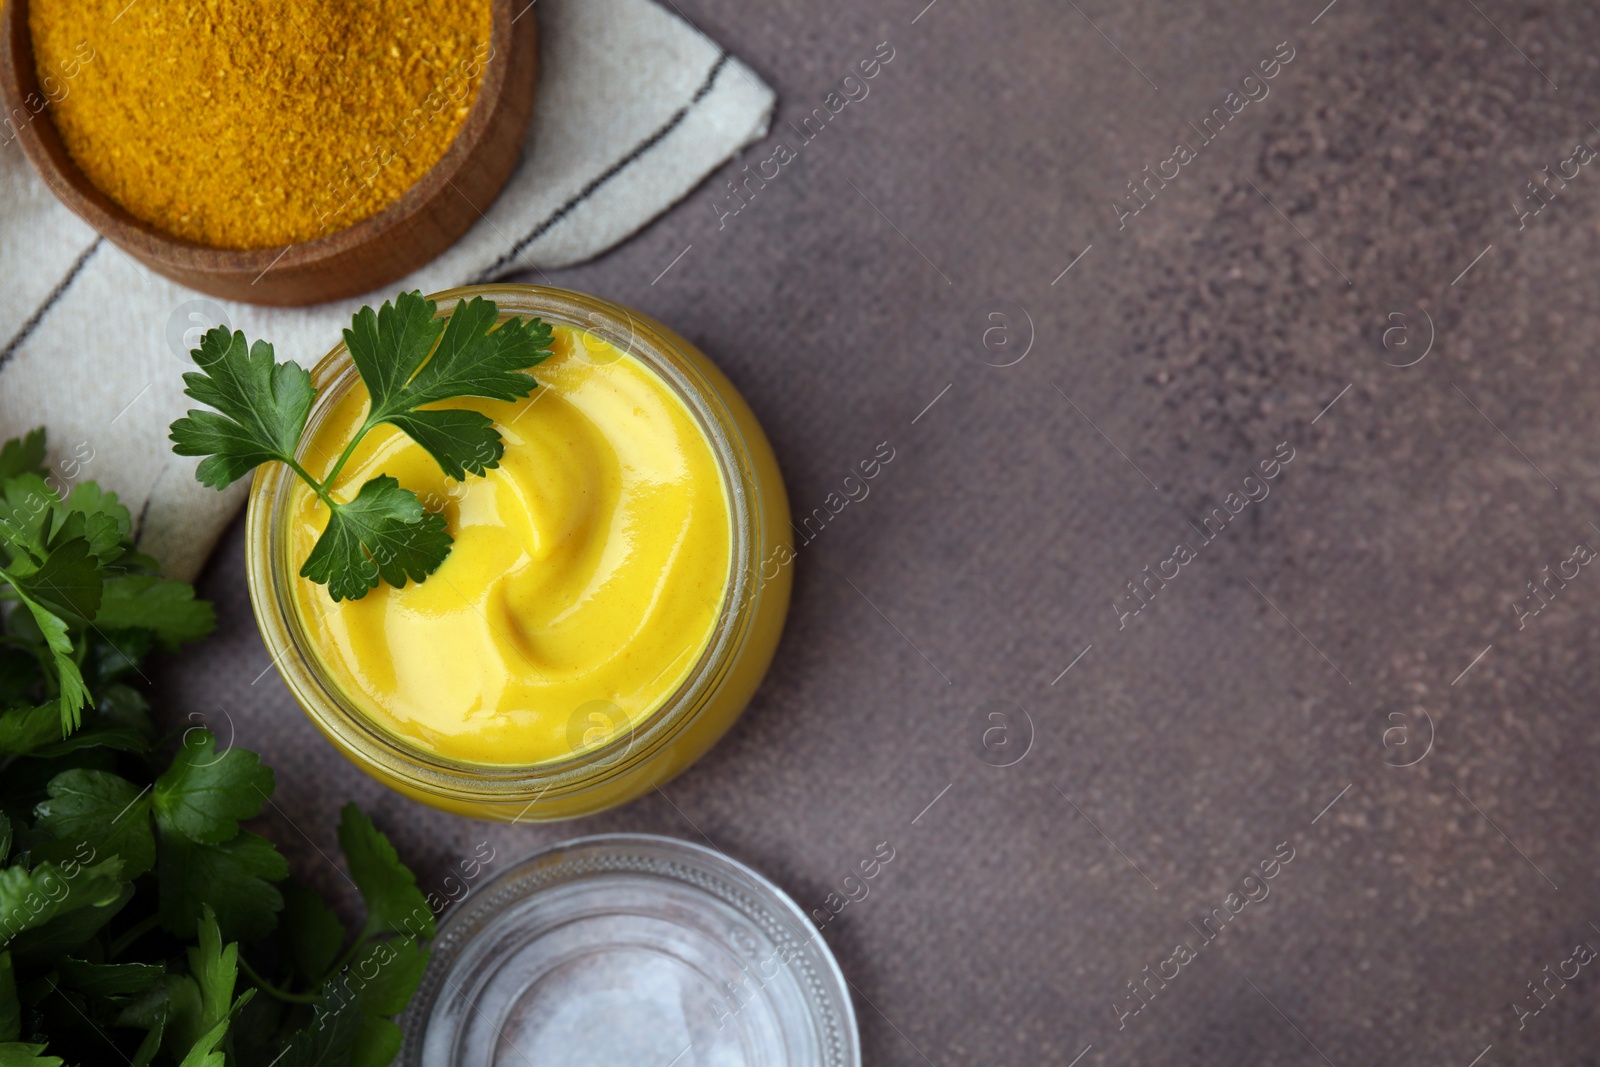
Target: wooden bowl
423	222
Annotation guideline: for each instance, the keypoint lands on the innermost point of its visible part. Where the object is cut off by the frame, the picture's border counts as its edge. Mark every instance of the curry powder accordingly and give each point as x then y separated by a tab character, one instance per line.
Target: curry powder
239	124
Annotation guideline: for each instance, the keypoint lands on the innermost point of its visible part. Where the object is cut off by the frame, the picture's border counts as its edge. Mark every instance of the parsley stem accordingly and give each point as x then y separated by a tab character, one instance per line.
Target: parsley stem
316	487
338	464
273	991
344	961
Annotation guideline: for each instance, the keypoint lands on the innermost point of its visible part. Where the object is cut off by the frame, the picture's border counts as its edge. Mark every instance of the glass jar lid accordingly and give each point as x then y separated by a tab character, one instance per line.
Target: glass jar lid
630	949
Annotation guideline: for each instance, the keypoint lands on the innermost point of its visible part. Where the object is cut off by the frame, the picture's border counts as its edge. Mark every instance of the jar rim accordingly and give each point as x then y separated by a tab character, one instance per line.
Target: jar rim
270	574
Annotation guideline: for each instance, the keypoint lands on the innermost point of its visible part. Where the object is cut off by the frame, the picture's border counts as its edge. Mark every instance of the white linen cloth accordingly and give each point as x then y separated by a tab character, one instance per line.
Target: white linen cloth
634	108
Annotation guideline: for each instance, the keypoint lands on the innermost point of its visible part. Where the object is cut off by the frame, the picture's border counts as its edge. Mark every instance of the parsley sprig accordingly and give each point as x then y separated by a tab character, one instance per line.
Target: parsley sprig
80	586
408	358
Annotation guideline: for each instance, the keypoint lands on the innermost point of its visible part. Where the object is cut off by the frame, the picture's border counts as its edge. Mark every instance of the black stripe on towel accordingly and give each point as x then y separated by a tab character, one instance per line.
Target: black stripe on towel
49	302
500	265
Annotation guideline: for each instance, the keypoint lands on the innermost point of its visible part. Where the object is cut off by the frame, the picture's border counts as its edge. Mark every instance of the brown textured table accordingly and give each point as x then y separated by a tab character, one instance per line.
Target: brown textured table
1268	294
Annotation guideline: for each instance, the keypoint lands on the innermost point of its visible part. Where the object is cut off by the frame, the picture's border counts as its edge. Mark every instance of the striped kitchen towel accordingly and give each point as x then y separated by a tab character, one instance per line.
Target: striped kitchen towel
635	107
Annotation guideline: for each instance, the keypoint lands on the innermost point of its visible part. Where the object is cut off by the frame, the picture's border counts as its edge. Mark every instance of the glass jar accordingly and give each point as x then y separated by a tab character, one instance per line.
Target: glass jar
629	949
622	762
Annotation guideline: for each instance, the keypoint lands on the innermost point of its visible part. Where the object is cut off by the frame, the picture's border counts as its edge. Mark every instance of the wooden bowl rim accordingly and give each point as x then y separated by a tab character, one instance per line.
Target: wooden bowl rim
19	78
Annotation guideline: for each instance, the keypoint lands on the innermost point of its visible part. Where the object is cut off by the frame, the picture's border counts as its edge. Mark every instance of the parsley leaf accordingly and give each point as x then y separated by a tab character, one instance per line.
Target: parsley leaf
104	811
388	346
327	1039
203	794
24	729
261	408
158	1010
107	980
407	358
31	898
234	878
376	1044
67	582
22	455
394	903
34	518
146	602
461	441
201	1008
475	359
53	555
396	967
74	693
472	359
204	1053
386	973
69	931
121	738
314	934
27	507
384	532
105	521
215	970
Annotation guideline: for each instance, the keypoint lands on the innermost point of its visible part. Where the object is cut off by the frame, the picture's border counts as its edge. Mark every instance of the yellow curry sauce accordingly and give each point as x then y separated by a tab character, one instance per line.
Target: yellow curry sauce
588	573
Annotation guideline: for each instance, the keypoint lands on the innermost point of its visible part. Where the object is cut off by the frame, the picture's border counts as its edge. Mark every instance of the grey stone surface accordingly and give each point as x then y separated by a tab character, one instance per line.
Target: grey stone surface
1256	687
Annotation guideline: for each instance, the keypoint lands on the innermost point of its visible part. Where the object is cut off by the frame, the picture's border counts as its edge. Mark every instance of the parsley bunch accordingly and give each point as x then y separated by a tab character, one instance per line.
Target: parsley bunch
139	922
408	358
